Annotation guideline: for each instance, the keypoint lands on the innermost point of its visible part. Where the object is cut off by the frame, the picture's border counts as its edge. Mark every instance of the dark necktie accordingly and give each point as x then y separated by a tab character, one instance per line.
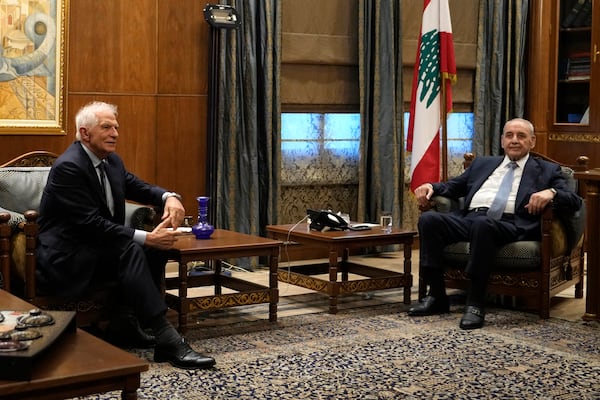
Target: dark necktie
105	187
102	168
499	204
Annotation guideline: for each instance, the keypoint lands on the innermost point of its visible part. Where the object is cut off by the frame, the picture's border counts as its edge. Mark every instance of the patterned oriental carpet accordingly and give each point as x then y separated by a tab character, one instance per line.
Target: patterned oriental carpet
380	353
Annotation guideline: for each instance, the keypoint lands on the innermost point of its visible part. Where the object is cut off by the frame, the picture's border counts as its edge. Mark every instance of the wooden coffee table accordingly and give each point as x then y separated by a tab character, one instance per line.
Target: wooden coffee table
339	244
222	245
77	364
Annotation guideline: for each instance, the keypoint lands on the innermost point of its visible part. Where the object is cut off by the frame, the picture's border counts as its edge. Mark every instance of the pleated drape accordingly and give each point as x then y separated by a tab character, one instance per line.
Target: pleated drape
381	174
500	77
248	120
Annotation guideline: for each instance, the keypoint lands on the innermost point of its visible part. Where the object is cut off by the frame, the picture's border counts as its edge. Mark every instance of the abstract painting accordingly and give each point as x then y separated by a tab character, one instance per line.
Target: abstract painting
32	57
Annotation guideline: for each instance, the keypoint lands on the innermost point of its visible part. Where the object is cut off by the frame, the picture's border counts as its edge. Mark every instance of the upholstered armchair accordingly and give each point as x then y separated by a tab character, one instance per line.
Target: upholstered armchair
22	181
528	272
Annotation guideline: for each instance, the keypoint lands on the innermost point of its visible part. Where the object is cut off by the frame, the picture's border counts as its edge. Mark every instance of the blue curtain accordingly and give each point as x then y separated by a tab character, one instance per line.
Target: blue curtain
247	146
500	76
381	174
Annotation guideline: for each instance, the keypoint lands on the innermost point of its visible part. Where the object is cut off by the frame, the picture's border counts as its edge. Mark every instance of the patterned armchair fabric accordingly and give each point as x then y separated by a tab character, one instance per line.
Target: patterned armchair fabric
531	271
567	232
21	190
21	187
22	181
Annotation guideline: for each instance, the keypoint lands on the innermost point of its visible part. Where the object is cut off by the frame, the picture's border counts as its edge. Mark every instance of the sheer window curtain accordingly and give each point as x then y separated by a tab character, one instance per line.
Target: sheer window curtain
248	119
381	150
500	76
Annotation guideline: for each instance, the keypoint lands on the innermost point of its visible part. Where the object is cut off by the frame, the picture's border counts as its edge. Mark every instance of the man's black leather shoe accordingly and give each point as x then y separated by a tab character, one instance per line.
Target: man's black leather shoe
430	305
473	318
181	355
125	331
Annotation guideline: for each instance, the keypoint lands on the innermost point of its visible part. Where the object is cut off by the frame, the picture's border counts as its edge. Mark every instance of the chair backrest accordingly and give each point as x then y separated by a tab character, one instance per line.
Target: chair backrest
37	158
22	181
21	187
572	224
581	164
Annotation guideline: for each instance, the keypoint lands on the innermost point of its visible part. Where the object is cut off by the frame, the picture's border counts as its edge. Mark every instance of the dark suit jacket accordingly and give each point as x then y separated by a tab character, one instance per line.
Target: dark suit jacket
76	226
537	175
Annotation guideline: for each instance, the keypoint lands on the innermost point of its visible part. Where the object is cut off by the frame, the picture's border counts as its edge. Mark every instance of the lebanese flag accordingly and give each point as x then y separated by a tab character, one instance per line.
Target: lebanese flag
435	64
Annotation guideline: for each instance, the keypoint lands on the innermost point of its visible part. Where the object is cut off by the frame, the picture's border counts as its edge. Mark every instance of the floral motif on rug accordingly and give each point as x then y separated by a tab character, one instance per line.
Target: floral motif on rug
381	353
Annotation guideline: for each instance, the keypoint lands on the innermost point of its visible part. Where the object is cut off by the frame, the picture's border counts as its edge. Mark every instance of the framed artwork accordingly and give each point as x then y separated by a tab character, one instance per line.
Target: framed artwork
32	65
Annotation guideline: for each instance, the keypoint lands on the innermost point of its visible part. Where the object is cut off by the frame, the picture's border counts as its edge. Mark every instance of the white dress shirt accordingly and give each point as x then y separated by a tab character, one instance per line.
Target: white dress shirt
486	193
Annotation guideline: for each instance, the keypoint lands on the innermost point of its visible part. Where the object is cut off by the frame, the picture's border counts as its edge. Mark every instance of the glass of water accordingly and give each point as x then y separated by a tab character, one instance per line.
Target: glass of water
385	220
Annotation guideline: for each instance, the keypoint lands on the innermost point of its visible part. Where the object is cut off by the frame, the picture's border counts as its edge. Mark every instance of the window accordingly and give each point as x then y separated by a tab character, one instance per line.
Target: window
320	155
323	148
460	140
320	148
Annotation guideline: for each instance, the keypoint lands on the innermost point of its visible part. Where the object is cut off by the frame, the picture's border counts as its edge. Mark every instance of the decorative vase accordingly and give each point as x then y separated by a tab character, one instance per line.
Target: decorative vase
203	229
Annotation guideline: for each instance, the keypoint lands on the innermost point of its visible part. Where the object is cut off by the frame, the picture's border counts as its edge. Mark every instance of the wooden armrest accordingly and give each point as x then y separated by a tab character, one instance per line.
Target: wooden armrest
31	231
5	232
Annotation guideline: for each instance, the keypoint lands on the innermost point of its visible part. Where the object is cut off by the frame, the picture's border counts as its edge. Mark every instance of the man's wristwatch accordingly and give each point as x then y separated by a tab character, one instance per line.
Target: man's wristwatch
173	194
553	191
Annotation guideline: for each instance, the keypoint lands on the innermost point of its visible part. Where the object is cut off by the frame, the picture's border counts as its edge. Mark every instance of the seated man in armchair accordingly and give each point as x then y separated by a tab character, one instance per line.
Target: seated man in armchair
83	240
504	198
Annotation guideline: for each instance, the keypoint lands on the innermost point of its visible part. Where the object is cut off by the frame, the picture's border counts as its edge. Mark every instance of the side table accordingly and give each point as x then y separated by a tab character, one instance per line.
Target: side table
77	364
339	244
222	245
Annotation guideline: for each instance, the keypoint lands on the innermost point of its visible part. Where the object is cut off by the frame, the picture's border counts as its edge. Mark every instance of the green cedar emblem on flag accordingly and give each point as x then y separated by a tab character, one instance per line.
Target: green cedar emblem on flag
429	66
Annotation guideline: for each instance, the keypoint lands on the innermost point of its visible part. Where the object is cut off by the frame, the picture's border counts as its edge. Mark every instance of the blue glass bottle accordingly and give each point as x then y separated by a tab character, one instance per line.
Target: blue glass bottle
203	229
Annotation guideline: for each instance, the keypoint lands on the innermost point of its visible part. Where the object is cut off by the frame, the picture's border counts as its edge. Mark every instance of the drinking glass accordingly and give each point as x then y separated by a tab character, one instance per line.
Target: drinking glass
386	221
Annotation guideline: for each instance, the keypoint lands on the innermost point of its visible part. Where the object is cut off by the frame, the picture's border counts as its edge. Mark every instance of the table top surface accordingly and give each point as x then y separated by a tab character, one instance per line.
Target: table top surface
223	239
75	357
301	231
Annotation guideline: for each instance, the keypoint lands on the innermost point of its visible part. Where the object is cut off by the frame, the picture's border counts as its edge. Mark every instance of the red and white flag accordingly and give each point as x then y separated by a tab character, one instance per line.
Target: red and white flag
435	65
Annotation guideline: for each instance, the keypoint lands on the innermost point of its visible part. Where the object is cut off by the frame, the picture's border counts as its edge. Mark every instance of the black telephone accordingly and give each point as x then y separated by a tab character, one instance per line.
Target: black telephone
326	221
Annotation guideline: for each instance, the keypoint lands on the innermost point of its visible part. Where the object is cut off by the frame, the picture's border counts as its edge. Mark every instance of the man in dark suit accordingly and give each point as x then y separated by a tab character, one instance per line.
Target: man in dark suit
534	184
83	240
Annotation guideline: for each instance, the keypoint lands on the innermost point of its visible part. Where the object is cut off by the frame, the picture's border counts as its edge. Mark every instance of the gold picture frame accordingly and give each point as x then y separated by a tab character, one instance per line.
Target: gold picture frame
33	42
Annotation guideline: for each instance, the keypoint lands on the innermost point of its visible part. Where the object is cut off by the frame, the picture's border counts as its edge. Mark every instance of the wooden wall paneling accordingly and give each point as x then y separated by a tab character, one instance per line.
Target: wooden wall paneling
138	137
150	58
563	142
181	148
112	46
570	146
137	130
537	106
12	145
183	43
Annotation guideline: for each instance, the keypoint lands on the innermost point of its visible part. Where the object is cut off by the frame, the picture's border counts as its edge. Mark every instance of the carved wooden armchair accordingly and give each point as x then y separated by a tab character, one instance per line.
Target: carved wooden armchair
530	272
21	184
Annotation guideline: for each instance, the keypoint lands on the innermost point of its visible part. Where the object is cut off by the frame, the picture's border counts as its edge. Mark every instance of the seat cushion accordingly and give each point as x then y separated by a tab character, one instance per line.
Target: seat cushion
21	187
516	255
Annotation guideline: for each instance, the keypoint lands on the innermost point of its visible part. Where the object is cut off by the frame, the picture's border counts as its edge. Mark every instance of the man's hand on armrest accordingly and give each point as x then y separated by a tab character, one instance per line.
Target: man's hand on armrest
423	195
539	200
